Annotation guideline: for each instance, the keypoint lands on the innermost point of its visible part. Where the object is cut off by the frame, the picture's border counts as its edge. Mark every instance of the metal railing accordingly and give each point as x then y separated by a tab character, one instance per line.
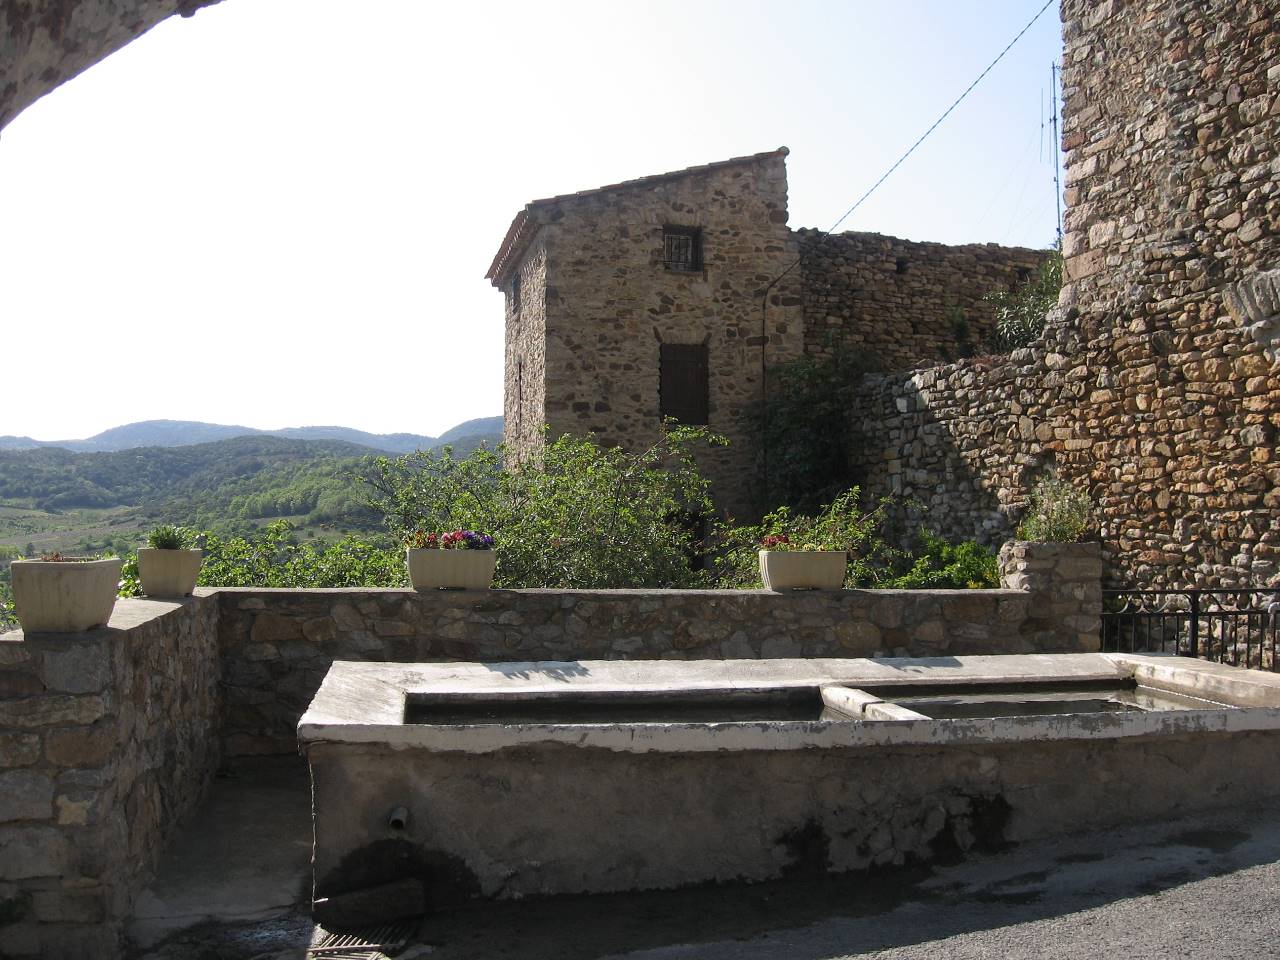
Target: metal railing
1239	627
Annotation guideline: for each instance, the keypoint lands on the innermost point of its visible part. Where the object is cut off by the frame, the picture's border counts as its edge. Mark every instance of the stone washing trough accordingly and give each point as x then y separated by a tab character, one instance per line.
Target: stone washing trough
440	783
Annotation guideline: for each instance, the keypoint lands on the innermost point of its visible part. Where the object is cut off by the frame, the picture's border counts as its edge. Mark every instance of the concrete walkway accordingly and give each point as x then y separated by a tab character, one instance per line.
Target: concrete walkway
244	859
1204	887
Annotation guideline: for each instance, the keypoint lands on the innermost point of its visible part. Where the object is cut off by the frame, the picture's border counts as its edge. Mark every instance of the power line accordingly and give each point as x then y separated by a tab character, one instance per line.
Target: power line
946	113
764	300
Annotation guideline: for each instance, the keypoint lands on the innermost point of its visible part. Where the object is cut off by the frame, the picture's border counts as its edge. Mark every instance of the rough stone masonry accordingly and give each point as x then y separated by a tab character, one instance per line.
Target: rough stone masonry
593	300
1156	385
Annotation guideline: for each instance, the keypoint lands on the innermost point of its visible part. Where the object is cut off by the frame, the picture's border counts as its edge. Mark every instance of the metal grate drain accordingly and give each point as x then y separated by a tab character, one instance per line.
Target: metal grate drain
365	943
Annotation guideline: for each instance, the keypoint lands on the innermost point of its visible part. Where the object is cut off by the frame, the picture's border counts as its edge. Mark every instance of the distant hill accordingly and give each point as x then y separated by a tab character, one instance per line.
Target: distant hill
51	478
182	433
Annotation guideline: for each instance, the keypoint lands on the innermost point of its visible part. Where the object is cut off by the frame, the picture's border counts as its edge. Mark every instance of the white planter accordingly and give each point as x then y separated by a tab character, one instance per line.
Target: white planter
803	569
451	569
168	573
64	597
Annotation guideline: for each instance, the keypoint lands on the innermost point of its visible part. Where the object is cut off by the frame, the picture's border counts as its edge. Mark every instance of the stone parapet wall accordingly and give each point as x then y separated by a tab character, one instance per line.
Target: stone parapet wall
899	304
108	740
1064	583
277	645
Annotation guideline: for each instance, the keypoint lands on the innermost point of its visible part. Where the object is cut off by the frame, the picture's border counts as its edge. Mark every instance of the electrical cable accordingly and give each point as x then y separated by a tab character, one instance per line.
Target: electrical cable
764	300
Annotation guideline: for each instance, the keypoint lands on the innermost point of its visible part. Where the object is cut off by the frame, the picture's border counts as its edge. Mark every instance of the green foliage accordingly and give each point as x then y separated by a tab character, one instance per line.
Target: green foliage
8	619
843	524
807	429
276	558
1057	512
168	537
1020	313
583	516
938	564
213	485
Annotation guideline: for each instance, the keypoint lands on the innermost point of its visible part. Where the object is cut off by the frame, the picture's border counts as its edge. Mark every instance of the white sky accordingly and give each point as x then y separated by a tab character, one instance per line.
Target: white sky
287	207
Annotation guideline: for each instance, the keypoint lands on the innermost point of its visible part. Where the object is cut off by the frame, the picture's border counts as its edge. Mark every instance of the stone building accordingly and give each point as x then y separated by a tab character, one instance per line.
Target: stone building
671	295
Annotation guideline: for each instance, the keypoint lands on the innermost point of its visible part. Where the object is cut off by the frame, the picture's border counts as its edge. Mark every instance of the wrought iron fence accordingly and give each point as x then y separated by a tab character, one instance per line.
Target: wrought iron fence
1239	627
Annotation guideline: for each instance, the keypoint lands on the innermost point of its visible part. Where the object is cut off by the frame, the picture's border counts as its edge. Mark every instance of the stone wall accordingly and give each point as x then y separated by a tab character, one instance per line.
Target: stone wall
1145	389
277	645
900	304
108	740
525	357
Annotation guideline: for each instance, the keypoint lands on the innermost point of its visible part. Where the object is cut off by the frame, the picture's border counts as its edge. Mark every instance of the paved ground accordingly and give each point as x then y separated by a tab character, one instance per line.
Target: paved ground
1205	887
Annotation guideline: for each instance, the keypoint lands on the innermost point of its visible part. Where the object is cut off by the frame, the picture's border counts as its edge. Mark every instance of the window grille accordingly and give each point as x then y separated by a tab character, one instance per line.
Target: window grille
682	248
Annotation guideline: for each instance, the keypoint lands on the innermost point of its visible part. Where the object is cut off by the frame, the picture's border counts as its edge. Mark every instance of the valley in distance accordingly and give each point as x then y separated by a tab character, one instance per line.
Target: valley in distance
105	492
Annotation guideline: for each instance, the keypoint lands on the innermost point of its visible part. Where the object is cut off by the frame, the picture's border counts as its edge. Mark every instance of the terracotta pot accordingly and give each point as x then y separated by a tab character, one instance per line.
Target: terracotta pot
168	573
450	569
803	569
64	596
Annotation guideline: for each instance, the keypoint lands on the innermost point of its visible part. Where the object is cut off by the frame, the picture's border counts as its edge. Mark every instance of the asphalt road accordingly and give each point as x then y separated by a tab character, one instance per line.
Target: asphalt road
1200	888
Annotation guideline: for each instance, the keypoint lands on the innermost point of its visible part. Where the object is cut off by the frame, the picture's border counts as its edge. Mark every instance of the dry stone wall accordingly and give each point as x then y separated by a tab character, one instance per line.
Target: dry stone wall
1146	388
108	741
901	304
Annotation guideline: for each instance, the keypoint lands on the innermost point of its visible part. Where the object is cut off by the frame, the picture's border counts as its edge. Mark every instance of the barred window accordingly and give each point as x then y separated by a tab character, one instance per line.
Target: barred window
682	248
515	293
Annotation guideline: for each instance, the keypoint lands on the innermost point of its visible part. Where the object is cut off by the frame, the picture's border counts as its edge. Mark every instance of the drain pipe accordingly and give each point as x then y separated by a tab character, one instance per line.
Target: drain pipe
399	818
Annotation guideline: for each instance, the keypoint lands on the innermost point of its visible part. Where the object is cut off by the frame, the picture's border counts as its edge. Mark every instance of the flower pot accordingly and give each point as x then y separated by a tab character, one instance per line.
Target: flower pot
450	569
168	573
803	569
51	596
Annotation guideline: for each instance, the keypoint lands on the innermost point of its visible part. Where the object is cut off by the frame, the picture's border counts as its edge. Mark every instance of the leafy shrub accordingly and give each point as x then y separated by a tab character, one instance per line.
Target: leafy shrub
8	619
843	524
582	516
939	564
1020	313
1058	512
274	557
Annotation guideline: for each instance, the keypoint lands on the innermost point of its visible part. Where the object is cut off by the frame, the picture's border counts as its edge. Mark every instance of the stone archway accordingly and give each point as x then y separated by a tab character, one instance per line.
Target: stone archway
44	43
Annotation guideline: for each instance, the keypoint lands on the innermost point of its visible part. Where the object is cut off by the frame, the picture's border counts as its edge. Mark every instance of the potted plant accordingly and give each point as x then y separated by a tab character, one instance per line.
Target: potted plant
58	594
788	565
458	560
168	566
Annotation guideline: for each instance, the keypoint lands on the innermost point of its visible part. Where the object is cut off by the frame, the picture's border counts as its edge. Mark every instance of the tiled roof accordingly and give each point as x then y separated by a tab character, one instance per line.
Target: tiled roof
525	225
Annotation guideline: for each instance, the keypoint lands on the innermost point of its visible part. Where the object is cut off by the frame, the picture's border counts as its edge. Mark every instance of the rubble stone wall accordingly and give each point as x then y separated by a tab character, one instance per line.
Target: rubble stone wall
108	740
900	304
524	391
277	645
1149	387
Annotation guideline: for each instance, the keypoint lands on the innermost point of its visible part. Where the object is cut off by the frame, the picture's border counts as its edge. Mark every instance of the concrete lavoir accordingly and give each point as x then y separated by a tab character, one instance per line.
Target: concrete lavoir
437	812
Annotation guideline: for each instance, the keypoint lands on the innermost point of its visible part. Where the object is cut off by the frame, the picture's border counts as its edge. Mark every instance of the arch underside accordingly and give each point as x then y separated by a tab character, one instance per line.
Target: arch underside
44	43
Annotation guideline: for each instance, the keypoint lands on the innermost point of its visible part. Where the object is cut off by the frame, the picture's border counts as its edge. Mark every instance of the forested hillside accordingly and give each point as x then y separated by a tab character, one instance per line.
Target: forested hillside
54	479
53	499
